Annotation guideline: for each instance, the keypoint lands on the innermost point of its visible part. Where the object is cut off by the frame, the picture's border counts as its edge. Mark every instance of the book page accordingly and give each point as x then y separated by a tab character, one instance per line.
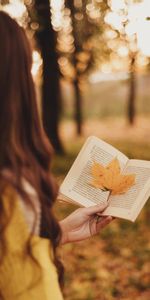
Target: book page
76	185
62	198
129	204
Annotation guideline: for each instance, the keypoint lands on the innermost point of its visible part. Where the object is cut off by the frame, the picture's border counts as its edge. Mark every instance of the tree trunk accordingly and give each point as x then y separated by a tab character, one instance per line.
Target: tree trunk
78	109
50	87
78	97
132	93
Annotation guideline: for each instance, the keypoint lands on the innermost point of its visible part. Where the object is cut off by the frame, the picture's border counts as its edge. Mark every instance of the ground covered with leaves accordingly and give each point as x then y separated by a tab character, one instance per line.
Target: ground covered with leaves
116	263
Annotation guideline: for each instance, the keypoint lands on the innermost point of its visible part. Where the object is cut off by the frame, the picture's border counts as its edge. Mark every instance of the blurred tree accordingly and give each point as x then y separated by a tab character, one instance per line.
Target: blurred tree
86	25
131	43
51	99
124	44
132	89
76	79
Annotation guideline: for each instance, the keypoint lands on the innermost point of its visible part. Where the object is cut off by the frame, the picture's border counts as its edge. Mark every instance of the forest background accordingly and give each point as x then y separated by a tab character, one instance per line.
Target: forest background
91	67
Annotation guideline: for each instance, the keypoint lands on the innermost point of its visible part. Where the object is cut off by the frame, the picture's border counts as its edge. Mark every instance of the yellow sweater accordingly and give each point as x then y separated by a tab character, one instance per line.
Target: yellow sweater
20	278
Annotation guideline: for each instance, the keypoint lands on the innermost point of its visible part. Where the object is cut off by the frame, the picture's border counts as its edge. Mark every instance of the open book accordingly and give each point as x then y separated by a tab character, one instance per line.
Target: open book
76	188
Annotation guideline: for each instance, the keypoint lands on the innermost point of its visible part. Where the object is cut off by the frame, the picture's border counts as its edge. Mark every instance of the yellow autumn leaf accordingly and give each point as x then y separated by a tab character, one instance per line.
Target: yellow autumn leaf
114	166
126	181
97	170
97	183
110	178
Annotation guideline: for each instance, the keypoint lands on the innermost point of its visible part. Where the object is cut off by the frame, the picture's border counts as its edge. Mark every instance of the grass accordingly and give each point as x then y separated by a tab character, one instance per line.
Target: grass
114	264
108	99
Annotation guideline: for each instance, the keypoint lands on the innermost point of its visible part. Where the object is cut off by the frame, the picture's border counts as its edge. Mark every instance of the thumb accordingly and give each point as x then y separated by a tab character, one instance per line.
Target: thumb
96	208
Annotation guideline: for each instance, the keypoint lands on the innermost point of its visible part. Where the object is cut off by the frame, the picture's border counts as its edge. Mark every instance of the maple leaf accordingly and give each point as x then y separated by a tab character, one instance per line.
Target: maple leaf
109	178
97	170
114	166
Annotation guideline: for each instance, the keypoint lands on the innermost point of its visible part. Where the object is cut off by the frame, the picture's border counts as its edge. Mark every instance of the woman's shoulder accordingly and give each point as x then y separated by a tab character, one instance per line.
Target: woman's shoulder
28	200
12	220
16	269
7	187
8	197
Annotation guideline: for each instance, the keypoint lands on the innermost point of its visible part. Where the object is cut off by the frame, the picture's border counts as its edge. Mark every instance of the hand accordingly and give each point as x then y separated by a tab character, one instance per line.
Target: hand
83	223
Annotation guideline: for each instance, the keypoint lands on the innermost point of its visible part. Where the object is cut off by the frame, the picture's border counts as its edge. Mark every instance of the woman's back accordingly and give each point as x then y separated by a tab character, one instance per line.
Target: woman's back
28	261
20	276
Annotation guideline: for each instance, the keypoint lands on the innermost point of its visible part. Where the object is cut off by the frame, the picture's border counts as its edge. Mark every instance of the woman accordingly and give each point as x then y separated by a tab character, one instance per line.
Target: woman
29	232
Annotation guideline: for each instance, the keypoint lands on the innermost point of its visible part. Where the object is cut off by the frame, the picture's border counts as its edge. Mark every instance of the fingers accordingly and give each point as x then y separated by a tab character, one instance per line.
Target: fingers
96	208
103	222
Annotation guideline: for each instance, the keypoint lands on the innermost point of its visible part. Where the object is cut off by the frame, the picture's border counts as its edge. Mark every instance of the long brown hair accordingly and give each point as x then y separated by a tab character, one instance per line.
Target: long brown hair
24	147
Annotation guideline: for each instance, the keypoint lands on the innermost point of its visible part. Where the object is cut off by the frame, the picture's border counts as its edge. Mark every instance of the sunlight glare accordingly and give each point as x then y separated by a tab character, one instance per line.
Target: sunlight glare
123	51
117	5
37	62
16	9
137	23
114	20
57	10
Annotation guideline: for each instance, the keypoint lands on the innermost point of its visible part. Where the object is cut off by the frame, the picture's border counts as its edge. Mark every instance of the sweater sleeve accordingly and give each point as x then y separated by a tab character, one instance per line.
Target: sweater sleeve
25	272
